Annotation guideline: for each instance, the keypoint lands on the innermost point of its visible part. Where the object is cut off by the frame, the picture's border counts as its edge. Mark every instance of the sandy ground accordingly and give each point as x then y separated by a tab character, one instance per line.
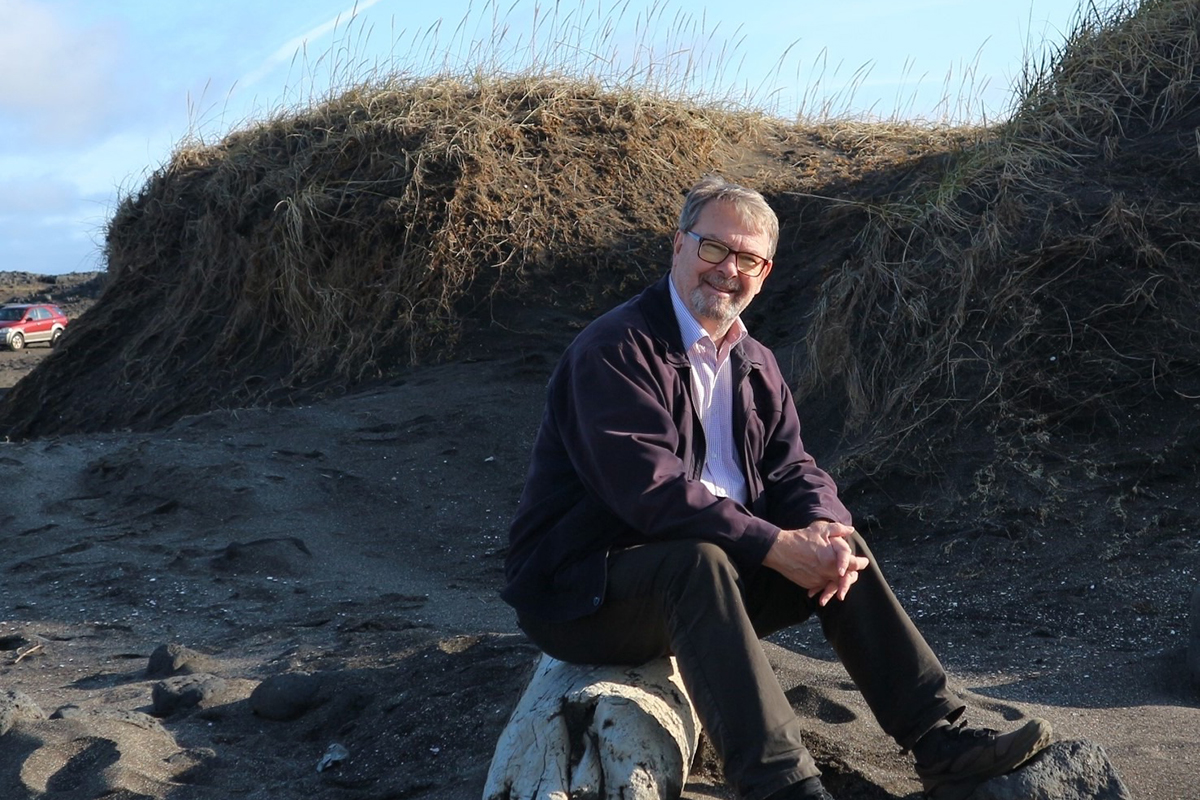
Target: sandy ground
361	540
13	366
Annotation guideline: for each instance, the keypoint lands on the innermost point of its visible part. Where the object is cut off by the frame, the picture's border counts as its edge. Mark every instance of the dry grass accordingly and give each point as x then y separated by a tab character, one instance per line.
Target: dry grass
1046	274
1125	71
362	223
351	231
329	246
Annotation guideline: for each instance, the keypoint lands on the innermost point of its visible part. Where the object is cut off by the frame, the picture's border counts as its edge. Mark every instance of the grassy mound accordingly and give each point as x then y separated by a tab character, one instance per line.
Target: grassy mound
1042	281
322	249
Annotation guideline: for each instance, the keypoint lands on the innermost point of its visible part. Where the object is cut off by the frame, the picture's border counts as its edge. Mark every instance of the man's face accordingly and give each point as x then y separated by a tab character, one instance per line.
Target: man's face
717	293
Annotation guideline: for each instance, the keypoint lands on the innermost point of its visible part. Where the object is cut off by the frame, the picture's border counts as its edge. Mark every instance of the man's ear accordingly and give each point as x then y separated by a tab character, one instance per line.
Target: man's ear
677	245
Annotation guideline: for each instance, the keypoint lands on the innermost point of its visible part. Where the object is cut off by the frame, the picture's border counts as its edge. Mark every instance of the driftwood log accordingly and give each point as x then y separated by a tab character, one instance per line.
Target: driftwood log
596	732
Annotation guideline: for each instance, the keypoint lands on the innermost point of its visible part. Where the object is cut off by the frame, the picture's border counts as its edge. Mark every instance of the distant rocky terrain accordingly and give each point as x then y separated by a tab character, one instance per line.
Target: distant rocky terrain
74	293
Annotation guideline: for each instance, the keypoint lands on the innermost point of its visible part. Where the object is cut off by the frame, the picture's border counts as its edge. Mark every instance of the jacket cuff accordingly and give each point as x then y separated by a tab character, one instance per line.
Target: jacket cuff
759	538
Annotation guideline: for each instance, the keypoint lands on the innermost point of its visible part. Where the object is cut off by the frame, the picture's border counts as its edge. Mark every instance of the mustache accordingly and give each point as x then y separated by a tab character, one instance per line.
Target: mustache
730	285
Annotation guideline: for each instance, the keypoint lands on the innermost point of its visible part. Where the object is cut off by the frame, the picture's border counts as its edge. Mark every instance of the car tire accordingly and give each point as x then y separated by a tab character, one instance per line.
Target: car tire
17	341
54	337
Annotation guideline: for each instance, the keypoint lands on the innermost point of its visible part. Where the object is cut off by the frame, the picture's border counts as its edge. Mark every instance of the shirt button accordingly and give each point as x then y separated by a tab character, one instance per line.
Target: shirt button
595	601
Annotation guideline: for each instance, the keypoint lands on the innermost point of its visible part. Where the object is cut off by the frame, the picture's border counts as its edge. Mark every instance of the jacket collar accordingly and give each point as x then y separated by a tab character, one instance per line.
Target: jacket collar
655	303
659	312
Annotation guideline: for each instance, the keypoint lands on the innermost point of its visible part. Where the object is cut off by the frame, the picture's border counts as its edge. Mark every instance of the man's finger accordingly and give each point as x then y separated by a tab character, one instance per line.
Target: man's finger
845	583
843	556
839	530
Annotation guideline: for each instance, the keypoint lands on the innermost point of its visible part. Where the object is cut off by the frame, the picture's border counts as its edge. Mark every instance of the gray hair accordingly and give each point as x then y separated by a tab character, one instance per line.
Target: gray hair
750	205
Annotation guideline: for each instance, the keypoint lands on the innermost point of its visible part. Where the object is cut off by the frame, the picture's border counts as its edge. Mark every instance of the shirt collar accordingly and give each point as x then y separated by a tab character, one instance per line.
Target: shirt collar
690	329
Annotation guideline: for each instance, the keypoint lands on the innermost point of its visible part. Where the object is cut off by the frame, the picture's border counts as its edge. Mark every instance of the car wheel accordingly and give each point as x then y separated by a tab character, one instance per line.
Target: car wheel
54	337
17	341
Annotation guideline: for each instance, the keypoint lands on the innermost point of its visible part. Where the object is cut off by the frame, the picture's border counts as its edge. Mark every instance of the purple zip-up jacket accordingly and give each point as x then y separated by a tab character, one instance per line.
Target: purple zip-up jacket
618	457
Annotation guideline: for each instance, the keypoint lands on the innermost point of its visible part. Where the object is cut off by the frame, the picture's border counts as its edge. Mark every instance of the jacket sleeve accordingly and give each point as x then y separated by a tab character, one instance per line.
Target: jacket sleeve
796	490
616	426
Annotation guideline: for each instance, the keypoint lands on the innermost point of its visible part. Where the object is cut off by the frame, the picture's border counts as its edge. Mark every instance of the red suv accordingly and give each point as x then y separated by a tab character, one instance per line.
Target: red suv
25	324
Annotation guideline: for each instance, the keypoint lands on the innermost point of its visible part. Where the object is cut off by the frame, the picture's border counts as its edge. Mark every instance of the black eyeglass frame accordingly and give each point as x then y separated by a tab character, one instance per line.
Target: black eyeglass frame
753	272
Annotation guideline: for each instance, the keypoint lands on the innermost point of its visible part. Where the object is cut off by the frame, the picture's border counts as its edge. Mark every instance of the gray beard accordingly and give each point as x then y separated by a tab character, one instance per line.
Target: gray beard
720	310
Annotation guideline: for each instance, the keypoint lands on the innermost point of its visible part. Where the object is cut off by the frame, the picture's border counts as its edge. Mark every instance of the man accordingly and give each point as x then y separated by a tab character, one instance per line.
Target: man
670	508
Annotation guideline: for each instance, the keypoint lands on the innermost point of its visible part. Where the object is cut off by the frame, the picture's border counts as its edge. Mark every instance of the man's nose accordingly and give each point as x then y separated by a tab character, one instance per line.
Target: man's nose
728	266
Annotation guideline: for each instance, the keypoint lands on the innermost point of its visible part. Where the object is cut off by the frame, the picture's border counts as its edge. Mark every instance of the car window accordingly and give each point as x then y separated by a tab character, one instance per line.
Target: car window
40	313
10	314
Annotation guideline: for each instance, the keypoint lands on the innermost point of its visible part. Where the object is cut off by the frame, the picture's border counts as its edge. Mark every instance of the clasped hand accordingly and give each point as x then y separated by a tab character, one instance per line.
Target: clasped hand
819	558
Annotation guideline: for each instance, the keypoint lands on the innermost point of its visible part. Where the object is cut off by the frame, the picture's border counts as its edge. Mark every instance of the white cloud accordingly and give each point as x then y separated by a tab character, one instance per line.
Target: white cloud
297	45
55	77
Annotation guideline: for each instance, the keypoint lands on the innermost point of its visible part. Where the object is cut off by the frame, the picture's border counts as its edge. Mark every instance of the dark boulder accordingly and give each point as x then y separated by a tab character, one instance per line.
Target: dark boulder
1075	770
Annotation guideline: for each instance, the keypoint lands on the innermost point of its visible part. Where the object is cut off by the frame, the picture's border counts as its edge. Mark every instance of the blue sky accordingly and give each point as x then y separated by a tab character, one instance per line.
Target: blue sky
95	95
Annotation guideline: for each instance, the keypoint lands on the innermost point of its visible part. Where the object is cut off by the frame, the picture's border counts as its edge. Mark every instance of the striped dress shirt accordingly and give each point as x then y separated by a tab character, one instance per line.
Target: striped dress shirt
712	392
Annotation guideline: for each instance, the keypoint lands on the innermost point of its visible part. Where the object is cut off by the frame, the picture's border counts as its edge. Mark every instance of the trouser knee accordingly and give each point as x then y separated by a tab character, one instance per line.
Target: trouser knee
696	566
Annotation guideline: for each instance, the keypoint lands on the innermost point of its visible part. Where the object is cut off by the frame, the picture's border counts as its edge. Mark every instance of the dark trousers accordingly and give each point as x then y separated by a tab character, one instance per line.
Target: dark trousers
687	599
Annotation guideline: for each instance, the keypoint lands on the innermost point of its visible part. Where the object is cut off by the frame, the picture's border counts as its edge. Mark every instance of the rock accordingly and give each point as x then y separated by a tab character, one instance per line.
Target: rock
594	731
185	692
175	659
334	756
16	706
1075	770
285	555
1194	644
287	697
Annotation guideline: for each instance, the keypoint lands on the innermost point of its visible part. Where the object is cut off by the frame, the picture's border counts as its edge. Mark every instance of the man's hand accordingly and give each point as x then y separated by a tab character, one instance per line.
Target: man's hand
819	558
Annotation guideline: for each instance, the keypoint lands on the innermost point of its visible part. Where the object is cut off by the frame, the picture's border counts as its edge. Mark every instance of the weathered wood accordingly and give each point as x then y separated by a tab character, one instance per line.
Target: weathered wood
589	732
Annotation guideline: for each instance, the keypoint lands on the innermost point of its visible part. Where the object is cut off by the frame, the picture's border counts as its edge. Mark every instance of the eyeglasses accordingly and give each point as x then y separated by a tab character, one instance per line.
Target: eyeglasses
713	252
